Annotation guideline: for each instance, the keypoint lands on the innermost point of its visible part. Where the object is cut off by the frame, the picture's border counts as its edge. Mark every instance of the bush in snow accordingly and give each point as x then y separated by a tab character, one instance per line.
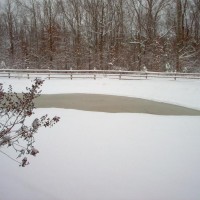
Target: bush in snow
144	68
14	111
168	68
3	65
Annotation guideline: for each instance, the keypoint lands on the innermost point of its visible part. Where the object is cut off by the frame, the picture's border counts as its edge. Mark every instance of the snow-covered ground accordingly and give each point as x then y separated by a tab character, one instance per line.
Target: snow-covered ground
106	156
182	92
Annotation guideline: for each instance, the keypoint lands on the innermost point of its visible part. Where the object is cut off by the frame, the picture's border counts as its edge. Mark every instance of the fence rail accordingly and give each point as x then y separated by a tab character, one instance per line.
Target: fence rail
93	74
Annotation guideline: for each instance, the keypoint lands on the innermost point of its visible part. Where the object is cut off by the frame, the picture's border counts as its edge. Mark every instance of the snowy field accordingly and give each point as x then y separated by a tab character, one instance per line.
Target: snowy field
105	156
181	92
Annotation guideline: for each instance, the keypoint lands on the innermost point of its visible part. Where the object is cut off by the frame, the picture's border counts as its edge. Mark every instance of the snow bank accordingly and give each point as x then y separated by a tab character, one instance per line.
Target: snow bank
95	156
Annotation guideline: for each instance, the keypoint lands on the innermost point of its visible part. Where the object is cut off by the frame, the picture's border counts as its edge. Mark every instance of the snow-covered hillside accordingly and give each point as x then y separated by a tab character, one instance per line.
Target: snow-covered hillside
121	156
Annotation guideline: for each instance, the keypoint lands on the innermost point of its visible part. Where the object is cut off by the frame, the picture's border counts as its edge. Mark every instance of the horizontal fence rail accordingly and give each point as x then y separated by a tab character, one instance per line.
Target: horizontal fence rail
93	74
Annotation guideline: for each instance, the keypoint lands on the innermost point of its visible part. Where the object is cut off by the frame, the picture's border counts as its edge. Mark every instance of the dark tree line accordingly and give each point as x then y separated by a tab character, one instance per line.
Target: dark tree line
105	34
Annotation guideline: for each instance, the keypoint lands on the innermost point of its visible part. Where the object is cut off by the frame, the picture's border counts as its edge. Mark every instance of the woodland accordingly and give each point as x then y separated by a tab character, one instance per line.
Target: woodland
159	35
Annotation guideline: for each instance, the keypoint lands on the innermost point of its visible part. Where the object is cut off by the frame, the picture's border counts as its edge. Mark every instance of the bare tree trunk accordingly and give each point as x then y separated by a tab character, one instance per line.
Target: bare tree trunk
10	30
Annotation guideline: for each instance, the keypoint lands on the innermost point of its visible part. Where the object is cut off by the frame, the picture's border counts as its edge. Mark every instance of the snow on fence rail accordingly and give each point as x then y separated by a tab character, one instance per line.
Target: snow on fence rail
94	74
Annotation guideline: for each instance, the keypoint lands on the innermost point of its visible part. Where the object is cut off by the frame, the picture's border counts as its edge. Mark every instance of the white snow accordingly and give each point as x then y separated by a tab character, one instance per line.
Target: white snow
106	156
181	92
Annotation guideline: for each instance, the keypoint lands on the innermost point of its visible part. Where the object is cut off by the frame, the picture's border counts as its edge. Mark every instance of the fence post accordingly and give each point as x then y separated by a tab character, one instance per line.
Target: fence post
8	75
120	74
27	73
49	73
71	73
94	74
175	75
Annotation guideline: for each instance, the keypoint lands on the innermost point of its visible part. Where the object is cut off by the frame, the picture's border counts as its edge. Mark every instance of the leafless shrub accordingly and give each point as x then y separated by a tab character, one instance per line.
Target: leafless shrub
14	111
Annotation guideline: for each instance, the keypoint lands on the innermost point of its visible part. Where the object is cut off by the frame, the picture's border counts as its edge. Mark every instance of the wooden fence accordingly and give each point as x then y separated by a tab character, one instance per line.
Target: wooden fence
93	74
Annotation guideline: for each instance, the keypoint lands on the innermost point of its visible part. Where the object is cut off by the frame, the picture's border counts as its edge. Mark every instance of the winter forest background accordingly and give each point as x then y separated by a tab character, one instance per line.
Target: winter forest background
105	34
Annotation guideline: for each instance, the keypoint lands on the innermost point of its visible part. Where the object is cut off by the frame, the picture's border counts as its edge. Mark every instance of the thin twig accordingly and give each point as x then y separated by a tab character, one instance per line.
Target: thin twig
10	157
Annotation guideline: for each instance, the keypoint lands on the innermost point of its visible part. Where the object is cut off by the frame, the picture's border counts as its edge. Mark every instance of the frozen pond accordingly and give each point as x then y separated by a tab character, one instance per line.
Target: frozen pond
111	104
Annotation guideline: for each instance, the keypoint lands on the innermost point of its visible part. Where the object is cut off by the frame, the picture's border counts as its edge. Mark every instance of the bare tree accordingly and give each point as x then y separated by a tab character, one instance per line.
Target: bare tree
10	26
101	33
